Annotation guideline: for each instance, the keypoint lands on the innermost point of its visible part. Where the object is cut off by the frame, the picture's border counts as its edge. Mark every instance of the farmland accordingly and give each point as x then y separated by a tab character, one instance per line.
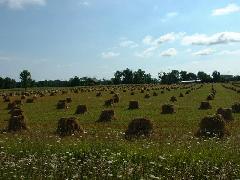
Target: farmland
172	151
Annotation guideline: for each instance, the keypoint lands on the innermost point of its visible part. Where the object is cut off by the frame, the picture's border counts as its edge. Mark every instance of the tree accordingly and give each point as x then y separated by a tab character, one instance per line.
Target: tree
216	76
139	77
127	76
204	77
74	81
117	77
184	76
25	77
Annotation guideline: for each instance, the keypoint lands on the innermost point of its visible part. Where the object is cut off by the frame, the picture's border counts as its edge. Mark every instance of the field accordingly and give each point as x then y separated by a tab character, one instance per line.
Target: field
102	152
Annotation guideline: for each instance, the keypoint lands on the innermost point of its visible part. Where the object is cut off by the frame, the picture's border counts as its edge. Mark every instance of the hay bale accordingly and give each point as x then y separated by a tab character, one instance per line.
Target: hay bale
116	98
210	97
23	97
139	127
6	99
30	100
212	126
12	105
98	94
68	126
188	92
236	108
205	105
16	112
68	100
226	114
168	109
62	104
81	109
155	94
16	123
106	116
181	95
109	102
112	92
133	105
147	96
173	99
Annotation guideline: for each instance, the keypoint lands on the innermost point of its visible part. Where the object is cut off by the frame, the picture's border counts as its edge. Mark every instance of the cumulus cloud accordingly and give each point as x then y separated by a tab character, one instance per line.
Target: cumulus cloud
230	52
20	4
218	38
149	40
204	52
128	44
109	55
84	3
169	52
169	16
231	8
147	52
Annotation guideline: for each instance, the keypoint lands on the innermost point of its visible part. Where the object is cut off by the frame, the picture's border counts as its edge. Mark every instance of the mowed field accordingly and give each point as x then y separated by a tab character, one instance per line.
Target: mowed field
102	152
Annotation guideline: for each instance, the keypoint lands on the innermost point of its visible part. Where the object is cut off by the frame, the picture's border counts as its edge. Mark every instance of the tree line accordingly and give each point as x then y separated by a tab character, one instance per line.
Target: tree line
125	76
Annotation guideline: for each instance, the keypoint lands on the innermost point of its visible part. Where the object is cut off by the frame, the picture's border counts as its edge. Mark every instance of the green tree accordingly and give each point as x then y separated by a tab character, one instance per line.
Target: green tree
26	79
117	77
74	81
127	76
204	77
216	76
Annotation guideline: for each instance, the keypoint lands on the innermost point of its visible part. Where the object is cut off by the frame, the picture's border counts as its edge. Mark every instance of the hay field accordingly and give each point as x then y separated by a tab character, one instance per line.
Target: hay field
102	152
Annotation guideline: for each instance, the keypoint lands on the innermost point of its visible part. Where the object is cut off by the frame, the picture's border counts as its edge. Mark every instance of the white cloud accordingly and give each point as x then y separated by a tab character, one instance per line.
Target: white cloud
149	40
147	52
169	16
169	52
204	52
20	4
231	8
218	38
109	55
128	44
228	52
84	3
5	58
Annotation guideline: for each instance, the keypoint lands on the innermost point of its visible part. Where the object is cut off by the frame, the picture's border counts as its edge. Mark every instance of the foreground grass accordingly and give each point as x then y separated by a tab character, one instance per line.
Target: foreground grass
102	152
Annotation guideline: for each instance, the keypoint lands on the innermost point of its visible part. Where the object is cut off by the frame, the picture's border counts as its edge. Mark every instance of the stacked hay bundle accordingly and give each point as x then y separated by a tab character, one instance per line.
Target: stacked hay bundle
168	109
30	100
236	107
68	100
68	126
147	96
62	104
226	114
116	98
139	127
155	93
173	99
106	116
205	105
17	121
81	109
98	94
212	126
108	102
133	105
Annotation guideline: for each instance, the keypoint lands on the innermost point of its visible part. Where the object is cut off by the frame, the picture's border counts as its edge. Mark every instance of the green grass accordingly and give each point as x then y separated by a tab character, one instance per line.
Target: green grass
172	152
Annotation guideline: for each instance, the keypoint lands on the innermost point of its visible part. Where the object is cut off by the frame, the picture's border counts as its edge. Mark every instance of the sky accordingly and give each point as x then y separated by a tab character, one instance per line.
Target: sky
58	39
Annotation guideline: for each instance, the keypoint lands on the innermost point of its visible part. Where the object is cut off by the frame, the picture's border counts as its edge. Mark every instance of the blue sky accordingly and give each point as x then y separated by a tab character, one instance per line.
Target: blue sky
58	39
